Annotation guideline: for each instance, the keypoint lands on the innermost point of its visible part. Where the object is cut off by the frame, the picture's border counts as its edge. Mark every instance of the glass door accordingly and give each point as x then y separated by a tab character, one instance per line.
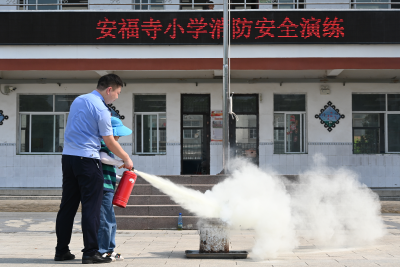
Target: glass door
243	129
289	133
195	144
294	133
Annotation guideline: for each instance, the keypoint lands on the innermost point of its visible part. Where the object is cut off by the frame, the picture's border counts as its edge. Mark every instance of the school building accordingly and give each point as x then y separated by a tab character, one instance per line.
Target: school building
307	77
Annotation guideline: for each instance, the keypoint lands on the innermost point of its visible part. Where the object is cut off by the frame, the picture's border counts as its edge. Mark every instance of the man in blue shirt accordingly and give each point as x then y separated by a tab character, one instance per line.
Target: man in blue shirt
89	122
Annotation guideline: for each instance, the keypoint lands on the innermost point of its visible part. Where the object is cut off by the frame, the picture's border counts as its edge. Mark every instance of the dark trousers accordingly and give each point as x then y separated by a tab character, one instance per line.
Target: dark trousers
82	182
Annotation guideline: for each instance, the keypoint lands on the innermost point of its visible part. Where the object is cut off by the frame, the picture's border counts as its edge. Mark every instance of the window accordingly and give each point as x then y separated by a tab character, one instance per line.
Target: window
192	121
287	4
190	134
289	124
203	4
150	118
37	4
253	133
144	5
42	120
75	4
371	4
376	123
64	4
193	4
244	4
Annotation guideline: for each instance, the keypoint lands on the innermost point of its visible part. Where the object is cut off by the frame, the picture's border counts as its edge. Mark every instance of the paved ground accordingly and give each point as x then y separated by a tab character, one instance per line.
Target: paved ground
28	239
31	205
53	206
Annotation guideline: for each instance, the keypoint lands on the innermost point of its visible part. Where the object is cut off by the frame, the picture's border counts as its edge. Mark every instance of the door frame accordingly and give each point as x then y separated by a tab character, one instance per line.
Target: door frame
232	122
206	129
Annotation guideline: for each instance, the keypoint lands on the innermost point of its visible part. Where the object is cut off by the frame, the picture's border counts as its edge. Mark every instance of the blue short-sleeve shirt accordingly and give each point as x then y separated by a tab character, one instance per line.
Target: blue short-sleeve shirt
89	119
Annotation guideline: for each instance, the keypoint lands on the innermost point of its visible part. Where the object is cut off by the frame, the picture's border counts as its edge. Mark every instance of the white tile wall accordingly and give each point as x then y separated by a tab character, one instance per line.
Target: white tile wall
275	160
262	150
373	170
396	181
213	169
289	160
176	170
269	150
170	169
155	161
141	162
163	160
17	161
297	160
9	161
381	160
45	170
10	151
177	160
388	160
37	160
177	151
268	160
170	162
262	162
3	151
170	150
283	160
10	175
290	169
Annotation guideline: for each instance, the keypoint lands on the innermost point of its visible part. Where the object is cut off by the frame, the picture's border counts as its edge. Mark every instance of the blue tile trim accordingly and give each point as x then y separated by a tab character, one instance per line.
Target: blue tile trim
125	144
216	143
213	143
7	144
330	144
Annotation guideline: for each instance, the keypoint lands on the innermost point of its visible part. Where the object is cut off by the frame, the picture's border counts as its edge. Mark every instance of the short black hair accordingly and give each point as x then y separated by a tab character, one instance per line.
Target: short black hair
108	80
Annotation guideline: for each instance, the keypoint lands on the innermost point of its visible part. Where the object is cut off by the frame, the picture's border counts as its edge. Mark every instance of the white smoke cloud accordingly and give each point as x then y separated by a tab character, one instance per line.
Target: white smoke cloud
334	208
329	206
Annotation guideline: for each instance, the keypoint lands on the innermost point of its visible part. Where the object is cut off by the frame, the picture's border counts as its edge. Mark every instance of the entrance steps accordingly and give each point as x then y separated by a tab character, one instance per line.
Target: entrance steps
148	208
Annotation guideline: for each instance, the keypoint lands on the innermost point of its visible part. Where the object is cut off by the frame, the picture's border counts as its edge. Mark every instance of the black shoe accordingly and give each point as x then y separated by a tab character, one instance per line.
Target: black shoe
64	257
96	258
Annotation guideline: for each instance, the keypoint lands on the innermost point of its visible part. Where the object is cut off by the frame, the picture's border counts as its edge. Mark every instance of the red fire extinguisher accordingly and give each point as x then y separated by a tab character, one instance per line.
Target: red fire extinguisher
124	189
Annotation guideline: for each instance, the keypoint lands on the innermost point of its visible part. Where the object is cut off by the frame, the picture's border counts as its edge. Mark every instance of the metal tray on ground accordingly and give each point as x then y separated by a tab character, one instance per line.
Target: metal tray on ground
195	254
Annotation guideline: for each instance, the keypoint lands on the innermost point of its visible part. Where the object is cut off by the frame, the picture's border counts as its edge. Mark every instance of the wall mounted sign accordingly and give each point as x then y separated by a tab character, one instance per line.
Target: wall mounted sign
216	125
2	117
115	112
329	116
200	27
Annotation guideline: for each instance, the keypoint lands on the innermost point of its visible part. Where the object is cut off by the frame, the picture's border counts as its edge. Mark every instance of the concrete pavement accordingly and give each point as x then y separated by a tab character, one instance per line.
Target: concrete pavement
28	239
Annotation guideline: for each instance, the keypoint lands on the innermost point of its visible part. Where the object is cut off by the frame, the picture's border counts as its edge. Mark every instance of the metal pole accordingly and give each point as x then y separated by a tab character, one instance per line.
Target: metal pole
225	82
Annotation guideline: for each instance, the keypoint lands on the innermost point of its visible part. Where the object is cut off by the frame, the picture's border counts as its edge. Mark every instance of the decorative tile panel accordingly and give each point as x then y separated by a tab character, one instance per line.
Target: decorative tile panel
115	112
2	117
329	116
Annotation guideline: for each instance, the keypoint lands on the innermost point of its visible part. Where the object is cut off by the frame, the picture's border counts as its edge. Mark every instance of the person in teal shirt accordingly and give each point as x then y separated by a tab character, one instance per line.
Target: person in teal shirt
108	224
